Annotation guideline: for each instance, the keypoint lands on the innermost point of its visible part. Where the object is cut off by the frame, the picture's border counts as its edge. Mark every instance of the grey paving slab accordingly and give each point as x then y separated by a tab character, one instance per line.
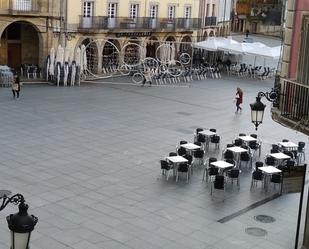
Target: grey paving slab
87	160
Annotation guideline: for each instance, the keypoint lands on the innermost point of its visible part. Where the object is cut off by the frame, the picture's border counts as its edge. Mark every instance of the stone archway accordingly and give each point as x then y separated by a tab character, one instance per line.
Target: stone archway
111	54
205	36
21	45
211	33
185	45
92	55
151	46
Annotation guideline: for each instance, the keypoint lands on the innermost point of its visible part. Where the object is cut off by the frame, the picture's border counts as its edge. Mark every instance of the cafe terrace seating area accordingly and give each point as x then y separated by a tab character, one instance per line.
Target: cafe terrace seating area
220	166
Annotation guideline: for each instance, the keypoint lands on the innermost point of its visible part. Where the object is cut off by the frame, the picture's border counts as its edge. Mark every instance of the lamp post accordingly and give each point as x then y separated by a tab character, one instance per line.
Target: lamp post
20	224
257	108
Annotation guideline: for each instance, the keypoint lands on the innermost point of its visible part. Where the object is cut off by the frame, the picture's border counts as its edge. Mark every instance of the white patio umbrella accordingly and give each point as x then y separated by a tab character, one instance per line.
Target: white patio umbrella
77	56
52	62
212	43
84	58
67	53
47	67
60	55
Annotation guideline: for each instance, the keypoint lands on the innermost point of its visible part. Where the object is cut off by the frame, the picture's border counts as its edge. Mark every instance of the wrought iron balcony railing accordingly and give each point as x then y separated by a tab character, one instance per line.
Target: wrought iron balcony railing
210	21
27	7
294	101
139	23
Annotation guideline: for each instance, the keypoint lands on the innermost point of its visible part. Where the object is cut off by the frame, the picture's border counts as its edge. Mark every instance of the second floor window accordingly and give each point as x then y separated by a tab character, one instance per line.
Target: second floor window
154	11
134	11
187	12
171	12
88	9
112	10
22	5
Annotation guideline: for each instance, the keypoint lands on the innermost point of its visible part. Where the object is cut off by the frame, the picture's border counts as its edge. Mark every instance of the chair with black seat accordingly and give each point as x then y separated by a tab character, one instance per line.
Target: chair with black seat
207	167
202	139
270	161
233	174
198	157
238	142
254	135
289	153
227	154
245	157
229	145
181	151
219	184
231	161
172	154
301	152
241	134
245	147
258	165
213	130
276	179
196	133
275	147
183	142
215	139
254	147
183	168
257	176
189	158
166	168
285	140
289	164
274	151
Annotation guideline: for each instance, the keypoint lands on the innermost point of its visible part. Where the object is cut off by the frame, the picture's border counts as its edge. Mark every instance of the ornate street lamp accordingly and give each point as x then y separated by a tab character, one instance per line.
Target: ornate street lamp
257	108
20	224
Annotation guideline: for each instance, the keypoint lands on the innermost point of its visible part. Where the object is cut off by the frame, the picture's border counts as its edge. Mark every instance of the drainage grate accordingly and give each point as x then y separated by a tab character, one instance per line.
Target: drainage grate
264	218
256	231
4	192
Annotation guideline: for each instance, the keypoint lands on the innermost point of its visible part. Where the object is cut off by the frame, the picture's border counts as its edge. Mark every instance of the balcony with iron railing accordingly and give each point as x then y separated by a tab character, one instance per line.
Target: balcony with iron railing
211	21
26	7
139	23
293	109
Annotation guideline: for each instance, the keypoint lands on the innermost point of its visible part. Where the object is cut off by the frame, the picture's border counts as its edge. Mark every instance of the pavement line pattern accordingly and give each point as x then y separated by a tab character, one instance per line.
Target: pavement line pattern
246	209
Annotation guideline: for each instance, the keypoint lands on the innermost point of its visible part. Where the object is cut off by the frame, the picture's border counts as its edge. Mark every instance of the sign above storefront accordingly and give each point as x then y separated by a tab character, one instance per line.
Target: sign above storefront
133	34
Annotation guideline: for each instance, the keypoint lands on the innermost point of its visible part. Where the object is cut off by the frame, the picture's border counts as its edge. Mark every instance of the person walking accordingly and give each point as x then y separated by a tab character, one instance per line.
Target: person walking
239	99
148	77
16	87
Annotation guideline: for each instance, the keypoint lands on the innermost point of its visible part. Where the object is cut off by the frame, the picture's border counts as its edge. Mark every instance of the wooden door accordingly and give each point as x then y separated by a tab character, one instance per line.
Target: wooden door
14	55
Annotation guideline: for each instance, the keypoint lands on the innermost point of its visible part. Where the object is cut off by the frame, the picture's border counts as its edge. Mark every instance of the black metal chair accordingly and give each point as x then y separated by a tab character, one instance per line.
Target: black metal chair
197	133
172	154
241	134
258	165
274	151
202	139
165	168
245	157
257	176
276	179
189	158
285	140
270	161
254	136
219	184
207	168
254	147
215	139
181	151
233	174
183	168
198	157
227	154
238	142
213	130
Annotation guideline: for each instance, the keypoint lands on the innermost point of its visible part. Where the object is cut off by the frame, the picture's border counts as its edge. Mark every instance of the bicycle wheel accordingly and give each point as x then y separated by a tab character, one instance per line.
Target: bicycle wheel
138	78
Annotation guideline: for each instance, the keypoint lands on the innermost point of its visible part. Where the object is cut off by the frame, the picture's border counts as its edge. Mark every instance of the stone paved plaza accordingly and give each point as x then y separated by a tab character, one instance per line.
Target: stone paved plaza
87	161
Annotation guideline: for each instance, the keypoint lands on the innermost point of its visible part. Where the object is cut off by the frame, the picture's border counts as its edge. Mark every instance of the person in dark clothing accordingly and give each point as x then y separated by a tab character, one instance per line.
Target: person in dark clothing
16	87
247	32
239	99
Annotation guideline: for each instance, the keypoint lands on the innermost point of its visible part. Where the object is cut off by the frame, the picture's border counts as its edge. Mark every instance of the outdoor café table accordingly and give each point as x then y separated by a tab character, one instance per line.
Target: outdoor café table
190	147
280	157
237	150
247	138
268	171
207	134
288	145
221	165
176	160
